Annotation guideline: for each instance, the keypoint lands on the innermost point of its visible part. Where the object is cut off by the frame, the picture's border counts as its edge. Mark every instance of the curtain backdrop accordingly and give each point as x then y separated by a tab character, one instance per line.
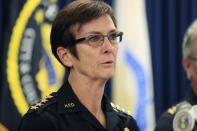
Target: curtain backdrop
168	20
132	86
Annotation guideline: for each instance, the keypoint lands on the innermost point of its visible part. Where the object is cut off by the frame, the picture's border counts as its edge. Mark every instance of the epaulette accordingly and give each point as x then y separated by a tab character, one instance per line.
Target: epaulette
172	110
117	108
43	103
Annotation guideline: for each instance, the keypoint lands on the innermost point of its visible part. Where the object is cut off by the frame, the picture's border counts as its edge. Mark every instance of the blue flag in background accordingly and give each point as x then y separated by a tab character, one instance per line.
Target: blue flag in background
132	84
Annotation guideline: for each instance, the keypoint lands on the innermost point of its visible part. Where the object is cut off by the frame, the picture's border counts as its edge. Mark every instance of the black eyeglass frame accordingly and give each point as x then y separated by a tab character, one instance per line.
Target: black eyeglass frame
192	58
103	36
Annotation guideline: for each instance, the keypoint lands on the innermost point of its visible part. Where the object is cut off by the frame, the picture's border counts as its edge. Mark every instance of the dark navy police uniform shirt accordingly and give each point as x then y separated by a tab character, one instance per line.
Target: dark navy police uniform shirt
165	123
62	111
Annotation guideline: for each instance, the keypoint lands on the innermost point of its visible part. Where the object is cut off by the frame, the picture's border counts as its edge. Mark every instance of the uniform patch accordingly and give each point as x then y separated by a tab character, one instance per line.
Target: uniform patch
183	121
69	105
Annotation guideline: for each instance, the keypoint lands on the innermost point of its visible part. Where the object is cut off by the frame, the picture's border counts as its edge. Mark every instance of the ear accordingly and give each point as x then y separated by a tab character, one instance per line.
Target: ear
187	67
65	56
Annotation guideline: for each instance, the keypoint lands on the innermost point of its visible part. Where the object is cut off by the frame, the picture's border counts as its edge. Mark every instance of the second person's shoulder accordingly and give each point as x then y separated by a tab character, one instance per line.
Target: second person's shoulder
165	122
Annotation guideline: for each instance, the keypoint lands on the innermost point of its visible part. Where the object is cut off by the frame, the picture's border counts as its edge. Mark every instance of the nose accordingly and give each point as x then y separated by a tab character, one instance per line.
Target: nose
107	46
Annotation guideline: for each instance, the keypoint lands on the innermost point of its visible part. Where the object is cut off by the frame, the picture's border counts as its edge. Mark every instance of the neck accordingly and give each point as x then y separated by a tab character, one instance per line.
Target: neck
90	93
195	90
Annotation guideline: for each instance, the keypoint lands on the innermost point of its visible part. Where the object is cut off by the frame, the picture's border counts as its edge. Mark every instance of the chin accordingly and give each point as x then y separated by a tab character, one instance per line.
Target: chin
108	75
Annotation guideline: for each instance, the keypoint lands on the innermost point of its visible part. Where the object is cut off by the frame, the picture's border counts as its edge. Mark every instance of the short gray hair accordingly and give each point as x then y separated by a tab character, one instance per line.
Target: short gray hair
189	39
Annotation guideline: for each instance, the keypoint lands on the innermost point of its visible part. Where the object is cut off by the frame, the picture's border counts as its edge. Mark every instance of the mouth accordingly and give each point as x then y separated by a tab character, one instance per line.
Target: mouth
108	62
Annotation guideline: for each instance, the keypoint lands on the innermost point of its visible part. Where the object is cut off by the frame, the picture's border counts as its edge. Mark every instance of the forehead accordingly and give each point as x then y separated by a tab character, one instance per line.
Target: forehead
193	47
102	24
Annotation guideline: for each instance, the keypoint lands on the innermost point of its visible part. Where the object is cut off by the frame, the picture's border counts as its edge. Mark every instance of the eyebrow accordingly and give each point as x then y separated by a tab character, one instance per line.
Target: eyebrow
96	32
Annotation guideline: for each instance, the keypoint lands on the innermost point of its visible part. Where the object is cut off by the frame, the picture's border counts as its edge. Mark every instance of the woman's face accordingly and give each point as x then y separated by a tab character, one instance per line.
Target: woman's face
95	62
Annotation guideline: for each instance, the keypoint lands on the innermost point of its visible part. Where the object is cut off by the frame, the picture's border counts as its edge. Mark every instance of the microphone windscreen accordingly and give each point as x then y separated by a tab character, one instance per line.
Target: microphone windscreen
183	120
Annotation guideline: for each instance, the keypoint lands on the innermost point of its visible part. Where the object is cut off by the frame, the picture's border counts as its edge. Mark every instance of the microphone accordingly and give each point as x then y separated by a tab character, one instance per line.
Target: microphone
185	118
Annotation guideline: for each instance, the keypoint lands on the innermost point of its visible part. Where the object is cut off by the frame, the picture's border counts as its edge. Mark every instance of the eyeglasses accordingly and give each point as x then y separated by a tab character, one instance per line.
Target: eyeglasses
96	40
192	58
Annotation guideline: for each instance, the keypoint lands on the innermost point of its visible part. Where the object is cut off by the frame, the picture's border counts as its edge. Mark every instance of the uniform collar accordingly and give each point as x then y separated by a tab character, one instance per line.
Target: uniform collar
112	116
67	100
